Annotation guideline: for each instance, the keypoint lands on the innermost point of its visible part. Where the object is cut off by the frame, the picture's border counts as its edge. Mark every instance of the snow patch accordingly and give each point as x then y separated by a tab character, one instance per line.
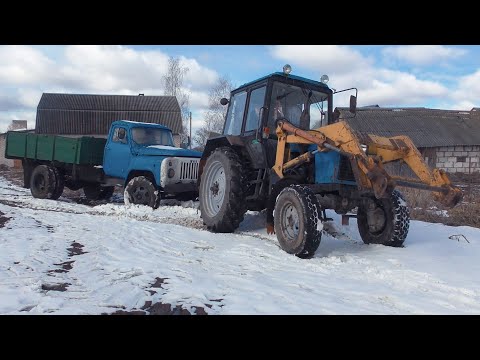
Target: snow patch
126	248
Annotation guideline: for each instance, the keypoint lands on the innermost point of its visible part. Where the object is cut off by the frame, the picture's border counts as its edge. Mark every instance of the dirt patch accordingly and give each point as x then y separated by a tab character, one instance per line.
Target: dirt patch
422	207
160	309
3	219
55	287
66	267
158	282
12	174
76	249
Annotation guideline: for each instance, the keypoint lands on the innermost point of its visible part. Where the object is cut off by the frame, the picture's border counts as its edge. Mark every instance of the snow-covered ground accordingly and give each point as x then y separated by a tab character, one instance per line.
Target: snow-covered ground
109	257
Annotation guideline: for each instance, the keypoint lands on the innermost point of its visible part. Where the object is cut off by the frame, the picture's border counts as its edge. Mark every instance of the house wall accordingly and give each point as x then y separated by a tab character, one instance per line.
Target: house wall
462	159
3	142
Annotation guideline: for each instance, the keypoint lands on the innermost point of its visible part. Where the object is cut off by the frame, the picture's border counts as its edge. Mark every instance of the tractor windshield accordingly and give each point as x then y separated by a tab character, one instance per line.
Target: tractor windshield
301	106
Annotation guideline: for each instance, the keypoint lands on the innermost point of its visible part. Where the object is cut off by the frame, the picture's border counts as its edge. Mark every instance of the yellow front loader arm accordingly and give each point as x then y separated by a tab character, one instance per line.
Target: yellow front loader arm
367	167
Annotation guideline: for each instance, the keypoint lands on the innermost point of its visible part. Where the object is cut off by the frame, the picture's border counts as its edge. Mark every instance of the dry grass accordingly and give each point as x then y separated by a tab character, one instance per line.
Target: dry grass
424	208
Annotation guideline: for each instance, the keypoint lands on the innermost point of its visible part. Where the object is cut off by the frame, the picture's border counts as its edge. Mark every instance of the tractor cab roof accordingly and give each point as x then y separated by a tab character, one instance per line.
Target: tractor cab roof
292	79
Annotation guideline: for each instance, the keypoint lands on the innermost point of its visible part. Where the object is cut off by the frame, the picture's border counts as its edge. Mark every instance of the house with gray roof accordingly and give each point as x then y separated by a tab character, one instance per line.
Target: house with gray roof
77	115
448	139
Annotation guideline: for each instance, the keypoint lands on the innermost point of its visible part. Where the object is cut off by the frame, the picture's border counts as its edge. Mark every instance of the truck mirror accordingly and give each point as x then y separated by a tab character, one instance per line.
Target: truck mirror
353	104
224	101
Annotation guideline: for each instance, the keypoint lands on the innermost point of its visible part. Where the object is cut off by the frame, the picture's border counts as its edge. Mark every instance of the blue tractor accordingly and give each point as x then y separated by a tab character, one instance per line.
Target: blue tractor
283	150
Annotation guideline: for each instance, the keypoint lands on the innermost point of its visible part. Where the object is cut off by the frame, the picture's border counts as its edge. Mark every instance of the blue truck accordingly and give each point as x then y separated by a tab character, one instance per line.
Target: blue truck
141	157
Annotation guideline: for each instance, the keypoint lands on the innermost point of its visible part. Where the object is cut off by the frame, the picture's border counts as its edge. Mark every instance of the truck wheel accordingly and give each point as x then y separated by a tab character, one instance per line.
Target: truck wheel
384	221
43	182
141	191
60	183
297	215
98	192
221	193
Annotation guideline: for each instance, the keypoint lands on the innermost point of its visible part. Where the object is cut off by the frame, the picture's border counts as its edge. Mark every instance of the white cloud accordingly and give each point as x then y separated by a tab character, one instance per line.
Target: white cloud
422	54
347	68
198	99
467	92
6	118
198	76
328	59
29	97
27	72
24	65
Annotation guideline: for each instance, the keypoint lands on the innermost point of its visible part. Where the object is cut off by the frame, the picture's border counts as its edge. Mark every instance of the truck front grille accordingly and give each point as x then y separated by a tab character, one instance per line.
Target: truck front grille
189	169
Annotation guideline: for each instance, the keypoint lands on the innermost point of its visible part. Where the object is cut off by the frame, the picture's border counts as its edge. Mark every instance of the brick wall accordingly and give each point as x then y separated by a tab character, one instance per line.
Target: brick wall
463	159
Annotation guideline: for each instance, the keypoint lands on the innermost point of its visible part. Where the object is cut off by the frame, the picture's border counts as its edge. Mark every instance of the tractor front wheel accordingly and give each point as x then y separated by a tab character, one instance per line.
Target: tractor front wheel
384	221
297	216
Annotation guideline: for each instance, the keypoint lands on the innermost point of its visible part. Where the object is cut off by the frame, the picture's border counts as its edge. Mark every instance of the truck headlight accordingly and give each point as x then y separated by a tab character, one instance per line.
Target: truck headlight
171	173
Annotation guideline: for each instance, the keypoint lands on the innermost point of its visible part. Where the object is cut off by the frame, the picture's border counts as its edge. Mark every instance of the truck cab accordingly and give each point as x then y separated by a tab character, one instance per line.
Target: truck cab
144	158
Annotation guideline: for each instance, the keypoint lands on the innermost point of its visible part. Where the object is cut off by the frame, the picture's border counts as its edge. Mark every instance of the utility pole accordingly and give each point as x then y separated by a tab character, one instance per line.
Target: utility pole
190	139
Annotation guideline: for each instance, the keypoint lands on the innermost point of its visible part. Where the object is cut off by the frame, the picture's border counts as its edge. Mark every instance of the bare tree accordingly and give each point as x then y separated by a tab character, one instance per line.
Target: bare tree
17	125
173	82
215	115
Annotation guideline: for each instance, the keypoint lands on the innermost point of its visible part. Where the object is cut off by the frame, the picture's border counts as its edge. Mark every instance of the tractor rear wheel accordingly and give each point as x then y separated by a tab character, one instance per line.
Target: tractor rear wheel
221	193
297	217
384	221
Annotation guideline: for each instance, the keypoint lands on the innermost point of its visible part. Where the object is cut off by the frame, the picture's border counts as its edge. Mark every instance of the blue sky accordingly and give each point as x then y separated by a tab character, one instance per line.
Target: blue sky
446	77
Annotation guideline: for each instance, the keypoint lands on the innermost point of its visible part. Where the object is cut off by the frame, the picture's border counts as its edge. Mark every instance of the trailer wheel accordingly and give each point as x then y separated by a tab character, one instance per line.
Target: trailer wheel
60	183
221	193
384	221
141	191
98	192
43	182
297	214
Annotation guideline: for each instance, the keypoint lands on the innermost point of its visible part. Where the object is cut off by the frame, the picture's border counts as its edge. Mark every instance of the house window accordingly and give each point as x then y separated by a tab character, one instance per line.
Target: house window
461	159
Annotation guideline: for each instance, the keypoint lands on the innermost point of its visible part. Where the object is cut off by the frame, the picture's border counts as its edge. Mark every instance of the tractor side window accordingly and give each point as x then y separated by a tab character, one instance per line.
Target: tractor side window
120	135
234	120
257	98
318	112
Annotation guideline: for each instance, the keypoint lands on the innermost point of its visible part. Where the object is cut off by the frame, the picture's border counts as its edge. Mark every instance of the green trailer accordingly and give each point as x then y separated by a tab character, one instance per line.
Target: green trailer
80	151
51	162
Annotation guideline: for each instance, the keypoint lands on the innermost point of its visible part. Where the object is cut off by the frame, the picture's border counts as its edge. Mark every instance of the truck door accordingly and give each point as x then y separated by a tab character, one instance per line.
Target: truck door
117	155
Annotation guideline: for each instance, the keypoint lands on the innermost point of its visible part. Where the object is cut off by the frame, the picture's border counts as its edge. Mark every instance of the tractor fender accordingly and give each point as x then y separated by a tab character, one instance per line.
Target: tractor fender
216	142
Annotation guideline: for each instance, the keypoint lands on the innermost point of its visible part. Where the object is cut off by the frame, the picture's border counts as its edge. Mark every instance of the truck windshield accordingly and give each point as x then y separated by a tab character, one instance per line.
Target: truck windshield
149	136
303	107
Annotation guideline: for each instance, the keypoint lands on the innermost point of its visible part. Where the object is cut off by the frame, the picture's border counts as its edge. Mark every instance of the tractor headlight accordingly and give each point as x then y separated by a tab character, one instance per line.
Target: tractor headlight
171	173
287	69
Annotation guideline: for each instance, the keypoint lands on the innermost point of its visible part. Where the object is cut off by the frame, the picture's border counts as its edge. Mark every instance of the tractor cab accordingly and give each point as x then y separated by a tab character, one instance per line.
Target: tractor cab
255	107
